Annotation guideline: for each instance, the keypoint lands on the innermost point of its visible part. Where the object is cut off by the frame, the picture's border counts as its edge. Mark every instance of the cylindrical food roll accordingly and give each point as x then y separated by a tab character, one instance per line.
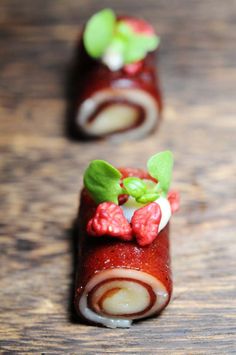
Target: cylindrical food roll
118	97
119	281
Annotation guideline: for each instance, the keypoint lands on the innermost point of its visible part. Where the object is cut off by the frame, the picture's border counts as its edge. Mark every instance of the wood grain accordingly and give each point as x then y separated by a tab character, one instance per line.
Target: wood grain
41	173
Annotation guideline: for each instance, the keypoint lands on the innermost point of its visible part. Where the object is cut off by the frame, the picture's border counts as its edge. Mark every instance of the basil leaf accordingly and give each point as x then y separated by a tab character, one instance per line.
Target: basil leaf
134	52
148	197
103	181
134	186
149	43
160	167
99	32
136	44
124	30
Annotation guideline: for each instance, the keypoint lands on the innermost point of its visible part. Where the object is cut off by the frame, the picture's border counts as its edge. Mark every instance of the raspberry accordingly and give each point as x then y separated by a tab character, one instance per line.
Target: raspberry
109	220
174	199
141	174
145	223
133	68
140	26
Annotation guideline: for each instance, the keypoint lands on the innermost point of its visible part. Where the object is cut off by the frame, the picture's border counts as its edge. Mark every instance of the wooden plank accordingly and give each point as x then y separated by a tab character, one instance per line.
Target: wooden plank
41	173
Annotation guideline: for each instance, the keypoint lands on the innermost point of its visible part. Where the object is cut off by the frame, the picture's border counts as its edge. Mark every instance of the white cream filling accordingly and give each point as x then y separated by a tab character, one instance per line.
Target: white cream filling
131	206
124	298
134	96
123	117
113	60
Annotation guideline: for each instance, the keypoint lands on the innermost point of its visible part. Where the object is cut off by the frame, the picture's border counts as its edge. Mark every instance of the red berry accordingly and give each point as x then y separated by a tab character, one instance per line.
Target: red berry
140	26
174	199
145	223
109	220
133	68
141	174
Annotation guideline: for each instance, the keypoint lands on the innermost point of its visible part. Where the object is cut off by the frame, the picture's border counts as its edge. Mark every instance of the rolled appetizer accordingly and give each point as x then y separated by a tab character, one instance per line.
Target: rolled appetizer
117	93
123	271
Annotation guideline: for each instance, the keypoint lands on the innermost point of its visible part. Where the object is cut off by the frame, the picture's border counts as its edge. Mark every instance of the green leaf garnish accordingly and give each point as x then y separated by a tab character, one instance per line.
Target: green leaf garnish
124	30
138	47
160	167
99	32
134	51
103	181
134	186
103	32
148	197
136	44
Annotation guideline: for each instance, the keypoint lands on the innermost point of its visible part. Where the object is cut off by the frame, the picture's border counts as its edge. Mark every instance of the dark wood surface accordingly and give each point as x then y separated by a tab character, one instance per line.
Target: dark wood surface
41	174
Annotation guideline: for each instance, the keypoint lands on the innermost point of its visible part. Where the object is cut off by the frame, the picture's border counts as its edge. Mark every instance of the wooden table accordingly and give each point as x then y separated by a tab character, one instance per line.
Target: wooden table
41	174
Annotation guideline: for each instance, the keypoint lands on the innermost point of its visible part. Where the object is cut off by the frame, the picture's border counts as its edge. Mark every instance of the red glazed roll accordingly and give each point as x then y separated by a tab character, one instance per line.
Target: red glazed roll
119	281
117	99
